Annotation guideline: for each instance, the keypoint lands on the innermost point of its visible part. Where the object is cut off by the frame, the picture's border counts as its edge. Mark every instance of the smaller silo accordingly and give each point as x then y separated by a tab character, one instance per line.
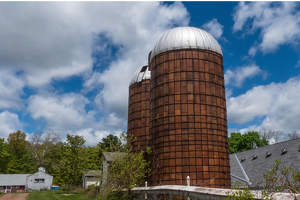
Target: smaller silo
139	109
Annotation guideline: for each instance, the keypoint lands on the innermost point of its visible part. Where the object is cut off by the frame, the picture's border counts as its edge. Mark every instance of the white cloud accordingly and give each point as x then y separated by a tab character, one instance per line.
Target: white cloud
11	89
66	114
238	76
277	103
9	123
298	63
214	28
61	112
279	23
53	40
146	24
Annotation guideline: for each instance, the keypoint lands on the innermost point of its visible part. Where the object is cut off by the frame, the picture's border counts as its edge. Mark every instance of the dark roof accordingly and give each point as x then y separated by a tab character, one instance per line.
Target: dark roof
93	173
13	179
111	156
256	168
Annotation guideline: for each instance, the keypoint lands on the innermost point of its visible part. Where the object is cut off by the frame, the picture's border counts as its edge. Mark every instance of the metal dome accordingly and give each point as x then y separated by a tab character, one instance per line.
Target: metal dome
185	38
141	74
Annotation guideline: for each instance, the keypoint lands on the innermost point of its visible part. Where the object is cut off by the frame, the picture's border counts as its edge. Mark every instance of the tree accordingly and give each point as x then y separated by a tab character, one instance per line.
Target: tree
40	144
128	170
17	141
294	135
67	161
110	143
241	142
4	155
20	161
271	135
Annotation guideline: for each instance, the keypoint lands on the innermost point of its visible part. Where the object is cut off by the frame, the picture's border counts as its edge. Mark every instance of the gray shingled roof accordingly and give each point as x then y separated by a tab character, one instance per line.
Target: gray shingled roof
256	168
111	156
13	179
93	173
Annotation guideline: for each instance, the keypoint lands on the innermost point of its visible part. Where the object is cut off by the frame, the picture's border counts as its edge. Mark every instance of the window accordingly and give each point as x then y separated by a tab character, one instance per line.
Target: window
39	180
1	187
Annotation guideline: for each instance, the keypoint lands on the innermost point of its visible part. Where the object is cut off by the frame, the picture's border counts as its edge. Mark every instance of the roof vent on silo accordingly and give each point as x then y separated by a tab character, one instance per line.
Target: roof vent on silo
268	154
254	157
141	74
243	159
283	151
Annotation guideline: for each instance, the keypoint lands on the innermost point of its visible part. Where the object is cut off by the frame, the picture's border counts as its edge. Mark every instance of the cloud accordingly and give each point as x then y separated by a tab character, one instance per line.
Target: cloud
279	23
145	23
66	114
11	89
9	123
214	28
61	112
53	40
277	104
238	76
46	41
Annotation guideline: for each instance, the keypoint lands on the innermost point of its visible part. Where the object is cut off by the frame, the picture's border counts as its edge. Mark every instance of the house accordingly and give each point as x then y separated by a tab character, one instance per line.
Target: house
12	182
99	177
22	182
92	177
109	157
39	180
248	167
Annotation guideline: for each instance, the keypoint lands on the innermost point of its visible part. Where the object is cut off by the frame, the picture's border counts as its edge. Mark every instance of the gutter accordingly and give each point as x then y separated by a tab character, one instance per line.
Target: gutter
248	181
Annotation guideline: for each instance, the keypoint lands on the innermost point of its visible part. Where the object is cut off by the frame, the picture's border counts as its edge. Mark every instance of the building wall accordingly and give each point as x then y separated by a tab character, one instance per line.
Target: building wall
32	185
91	181
188	122
139	114
105	167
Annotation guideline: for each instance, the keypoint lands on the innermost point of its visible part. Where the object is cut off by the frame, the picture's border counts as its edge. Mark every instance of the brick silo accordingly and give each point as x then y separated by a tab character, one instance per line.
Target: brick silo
188	122
139	108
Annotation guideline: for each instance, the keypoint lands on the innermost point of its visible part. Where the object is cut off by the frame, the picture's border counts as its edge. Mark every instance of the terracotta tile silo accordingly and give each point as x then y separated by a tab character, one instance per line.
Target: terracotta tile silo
188	123
139	109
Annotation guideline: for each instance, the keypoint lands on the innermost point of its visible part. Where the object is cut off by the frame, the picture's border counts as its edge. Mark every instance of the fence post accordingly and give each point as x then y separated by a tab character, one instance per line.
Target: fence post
188	180
146	186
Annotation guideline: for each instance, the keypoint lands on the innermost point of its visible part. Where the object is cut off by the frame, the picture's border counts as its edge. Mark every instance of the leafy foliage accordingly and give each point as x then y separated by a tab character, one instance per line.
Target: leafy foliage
278	179
128	170
241	142
66	161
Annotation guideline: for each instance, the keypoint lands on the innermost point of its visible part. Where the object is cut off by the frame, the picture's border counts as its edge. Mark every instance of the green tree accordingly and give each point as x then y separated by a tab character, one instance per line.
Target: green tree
20	161
39	145
67	161
128	170
4	155
241	142
110	143
17	141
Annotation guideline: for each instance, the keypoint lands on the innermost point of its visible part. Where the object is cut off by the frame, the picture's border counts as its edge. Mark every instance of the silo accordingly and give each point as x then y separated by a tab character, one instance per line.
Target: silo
139	109
188	122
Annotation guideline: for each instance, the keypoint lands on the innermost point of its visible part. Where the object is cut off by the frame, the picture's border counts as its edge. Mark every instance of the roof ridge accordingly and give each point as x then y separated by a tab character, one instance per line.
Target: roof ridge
268	145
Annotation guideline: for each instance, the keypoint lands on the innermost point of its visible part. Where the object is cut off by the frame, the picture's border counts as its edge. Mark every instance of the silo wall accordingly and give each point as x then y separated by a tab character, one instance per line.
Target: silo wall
139	114
188	122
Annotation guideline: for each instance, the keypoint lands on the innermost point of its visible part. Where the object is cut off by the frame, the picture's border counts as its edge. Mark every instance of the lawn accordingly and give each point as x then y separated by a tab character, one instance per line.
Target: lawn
1	194
54	195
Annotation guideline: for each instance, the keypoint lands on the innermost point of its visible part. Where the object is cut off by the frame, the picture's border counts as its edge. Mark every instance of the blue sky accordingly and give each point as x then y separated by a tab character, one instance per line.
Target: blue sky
65	66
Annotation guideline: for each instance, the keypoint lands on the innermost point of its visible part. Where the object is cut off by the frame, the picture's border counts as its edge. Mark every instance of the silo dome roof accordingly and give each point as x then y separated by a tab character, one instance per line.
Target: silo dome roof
141	74
185	38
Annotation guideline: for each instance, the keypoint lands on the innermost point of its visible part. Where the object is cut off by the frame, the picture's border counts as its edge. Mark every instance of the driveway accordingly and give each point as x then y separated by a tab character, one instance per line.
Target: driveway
14	196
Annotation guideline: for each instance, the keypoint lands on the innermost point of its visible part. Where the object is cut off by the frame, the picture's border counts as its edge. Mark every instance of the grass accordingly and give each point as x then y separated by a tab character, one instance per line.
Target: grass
54	195
1	194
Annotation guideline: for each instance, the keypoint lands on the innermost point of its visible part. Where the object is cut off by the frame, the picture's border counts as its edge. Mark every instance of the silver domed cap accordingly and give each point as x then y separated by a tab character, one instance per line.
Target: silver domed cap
185	38
141	74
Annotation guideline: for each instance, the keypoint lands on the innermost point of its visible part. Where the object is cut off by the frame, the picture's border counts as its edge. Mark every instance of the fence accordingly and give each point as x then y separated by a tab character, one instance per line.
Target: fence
195	193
